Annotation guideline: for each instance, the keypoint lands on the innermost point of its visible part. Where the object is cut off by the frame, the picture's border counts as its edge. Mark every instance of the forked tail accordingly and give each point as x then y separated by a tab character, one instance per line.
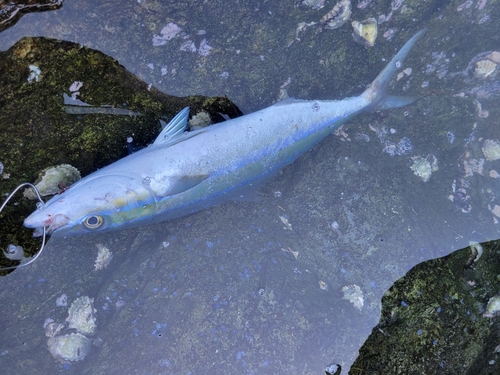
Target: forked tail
376	93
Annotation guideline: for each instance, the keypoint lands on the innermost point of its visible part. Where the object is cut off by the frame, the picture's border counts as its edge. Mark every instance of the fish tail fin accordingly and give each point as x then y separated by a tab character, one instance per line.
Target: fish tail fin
376	93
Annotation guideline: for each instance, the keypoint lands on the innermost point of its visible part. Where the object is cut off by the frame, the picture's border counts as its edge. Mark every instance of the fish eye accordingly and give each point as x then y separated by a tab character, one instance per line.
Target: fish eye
93	222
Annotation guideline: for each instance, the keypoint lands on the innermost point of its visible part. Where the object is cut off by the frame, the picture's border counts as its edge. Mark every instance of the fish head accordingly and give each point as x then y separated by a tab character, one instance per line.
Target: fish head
97	203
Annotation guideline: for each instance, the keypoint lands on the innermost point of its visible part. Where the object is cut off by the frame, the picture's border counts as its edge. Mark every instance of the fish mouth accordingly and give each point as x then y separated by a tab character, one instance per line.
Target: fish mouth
51	223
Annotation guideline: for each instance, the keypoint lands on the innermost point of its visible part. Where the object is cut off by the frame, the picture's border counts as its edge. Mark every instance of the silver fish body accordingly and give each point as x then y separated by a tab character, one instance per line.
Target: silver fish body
184	172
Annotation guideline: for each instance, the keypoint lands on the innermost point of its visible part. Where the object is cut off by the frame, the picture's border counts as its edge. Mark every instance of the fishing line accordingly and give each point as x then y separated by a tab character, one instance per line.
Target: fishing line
39	206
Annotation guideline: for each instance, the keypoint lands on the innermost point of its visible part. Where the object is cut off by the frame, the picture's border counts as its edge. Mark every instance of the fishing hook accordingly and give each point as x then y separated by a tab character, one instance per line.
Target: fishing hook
39	206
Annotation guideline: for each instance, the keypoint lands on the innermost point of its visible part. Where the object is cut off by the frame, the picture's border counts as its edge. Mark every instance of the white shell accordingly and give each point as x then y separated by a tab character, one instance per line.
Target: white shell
491	150
493	307
170	31
338	15
354	294
485	68
72	347
423	167
52	328
104	257
323	285
188	46
494	56
314	4
365	32
52	180
62	301
200	120
81	315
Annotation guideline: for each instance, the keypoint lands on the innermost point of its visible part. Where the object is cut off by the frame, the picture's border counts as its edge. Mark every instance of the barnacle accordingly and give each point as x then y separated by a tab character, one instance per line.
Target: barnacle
81	315
53	180
485	68
365	32
72	347
491	149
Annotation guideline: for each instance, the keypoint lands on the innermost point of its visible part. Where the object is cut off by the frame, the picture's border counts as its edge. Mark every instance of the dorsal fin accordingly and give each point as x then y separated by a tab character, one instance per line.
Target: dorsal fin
174	128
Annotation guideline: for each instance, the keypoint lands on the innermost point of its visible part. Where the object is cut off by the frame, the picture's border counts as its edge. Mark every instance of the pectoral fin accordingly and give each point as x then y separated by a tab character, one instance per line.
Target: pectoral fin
180	184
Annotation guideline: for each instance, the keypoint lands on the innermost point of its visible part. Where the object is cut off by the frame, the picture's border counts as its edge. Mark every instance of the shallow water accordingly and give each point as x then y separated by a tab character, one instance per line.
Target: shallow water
221	291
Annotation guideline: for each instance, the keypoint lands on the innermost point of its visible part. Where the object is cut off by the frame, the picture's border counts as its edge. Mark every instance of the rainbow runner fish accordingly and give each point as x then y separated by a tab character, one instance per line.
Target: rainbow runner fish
185	172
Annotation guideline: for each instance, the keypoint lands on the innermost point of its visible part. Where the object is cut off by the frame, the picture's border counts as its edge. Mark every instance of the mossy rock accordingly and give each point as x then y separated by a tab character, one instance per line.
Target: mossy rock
432	319
38	130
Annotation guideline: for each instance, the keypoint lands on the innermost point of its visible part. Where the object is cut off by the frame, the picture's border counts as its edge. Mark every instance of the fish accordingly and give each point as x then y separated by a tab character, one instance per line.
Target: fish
183	172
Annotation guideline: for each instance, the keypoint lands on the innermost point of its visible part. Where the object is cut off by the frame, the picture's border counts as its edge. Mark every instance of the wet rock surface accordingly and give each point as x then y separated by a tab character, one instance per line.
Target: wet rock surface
222	290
